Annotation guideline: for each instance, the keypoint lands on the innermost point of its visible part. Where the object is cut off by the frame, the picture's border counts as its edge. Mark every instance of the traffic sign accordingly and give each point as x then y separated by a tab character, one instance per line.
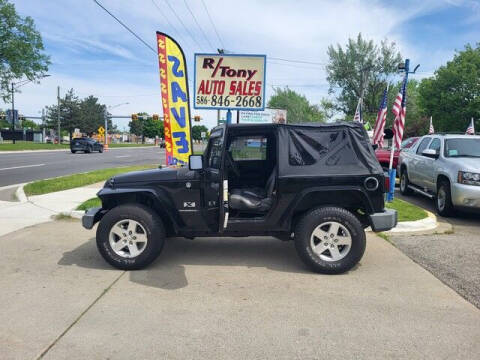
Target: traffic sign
101	130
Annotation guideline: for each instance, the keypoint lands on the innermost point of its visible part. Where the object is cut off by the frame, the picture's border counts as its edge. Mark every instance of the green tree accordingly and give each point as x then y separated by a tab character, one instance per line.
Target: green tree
299	109
137	126
361	66
152	128
92	115
30	124
197	131
21	49
70	114
452	95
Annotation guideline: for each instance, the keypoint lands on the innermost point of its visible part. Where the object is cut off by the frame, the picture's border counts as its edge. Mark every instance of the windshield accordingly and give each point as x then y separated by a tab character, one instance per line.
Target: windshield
462	147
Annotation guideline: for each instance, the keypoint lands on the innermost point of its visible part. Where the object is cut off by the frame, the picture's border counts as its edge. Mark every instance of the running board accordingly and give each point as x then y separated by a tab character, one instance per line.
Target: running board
414	188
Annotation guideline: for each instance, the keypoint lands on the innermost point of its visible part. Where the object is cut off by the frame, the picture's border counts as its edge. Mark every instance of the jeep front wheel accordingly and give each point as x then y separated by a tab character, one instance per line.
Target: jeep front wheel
330	240
130	237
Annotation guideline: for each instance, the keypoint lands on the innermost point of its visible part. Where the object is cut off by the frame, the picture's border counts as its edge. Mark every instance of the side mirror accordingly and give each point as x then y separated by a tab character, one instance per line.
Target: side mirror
431	153
195	162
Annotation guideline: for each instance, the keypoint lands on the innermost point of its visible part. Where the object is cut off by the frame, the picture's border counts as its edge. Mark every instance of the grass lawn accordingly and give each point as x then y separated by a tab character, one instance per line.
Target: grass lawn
406	211
90	203
29	145
72	181
128	145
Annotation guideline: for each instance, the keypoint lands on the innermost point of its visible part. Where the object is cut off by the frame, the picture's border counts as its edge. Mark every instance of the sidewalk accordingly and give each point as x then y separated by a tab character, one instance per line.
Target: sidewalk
42	208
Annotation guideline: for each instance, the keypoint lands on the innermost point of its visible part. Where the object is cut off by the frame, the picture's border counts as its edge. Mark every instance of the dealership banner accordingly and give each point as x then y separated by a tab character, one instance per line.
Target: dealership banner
235	82
272	116
175	100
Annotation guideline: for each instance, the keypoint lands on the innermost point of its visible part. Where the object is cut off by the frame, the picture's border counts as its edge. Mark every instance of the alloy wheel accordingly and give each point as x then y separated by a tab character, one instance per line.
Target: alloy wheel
128	238
331	241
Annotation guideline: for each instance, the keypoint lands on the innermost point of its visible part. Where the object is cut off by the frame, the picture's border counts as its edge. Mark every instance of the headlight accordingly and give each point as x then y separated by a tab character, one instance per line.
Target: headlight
468	178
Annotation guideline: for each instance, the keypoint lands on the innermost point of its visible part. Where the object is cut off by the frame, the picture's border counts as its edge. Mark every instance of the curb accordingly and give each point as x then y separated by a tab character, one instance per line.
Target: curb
20	194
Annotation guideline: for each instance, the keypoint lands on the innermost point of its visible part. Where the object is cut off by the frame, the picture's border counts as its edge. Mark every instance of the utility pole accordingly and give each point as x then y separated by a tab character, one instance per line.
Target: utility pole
105	115
58	113
13	112
43	125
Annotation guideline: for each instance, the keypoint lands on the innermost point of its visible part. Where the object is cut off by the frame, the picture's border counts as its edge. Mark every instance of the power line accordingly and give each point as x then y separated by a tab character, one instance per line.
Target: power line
168	21
213	24
297	61
181	22
125	26
196	22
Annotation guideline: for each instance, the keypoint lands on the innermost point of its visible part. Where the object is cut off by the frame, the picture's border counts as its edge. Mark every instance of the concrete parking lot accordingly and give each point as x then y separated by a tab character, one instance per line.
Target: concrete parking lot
453	258
221	298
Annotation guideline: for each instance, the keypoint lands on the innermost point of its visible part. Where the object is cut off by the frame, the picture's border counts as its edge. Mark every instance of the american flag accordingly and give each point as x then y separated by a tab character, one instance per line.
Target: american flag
378	129
470	129
400	110
431	130
358	112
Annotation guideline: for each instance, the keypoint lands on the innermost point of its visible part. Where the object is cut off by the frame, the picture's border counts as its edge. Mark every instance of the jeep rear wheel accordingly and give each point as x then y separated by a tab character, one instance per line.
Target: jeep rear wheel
130	237
330	240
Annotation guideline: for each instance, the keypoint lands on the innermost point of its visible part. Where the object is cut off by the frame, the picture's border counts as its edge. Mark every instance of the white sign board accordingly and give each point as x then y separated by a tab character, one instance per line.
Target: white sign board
275	116
235	82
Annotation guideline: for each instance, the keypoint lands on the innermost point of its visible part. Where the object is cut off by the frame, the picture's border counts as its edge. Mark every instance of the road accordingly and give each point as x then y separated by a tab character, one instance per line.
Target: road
453	258
18	168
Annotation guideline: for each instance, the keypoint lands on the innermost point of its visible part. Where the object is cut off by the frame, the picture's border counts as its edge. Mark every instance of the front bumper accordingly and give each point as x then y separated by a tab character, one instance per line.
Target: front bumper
91	217
383	221
466	196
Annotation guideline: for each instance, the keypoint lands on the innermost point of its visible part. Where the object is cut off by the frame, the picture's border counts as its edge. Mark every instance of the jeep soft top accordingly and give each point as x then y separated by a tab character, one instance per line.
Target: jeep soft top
318	184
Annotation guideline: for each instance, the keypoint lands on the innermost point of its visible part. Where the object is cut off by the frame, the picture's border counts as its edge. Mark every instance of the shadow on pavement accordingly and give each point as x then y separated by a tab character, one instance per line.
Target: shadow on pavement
168	270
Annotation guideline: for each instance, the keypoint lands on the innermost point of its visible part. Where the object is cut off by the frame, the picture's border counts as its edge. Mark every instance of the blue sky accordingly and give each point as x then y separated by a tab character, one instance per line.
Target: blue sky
93	54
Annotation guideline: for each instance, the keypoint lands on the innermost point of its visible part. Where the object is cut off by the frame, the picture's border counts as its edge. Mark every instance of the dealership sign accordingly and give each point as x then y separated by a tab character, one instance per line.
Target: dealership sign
275	116
235	82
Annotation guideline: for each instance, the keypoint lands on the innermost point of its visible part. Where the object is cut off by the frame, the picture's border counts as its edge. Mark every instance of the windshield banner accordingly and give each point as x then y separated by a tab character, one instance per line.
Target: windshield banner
175	100
235	82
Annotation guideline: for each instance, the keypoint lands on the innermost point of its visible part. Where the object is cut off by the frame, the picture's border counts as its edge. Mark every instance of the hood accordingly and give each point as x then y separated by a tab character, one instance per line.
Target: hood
154	175
466	164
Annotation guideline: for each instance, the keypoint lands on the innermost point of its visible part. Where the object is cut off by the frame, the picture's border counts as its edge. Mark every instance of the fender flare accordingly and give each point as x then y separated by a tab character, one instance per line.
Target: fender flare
163	205
307	193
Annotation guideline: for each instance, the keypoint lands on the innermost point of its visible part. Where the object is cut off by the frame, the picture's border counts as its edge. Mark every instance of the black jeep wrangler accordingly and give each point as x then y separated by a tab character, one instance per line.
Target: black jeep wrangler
319	185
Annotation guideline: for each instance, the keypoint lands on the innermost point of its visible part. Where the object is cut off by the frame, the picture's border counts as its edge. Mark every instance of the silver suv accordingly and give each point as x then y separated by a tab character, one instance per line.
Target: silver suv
445	168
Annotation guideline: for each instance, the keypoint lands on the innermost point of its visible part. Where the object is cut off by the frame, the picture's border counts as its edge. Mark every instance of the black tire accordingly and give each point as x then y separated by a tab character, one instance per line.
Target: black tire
100	150
404	182
154	229
88	150
443	189
73	151
310	221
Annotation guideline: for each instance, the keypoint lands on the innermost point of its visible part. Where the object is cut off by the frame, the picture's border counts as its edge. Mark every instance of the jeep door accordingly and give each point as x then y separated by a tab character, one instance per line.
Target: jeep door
213	181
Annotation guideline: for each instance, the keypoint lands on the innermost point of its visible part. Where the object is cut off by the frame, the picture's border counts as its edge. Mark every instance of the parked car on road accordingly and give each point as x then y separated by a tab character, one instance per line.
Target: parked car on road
319	185
383	154
85	144
445	168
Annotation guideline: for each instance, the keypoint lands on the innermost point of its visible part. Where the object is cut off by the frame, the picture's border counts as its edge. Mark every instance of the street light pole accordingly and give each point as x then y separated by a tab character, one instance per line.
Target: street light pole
58	114
13	112
106	121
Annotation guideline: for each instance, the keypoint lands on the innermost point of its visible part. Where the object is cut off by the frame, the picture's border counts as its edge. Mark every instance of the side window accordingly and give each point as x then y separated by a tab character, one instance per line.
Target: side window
423	145
249	148
215	154
435	145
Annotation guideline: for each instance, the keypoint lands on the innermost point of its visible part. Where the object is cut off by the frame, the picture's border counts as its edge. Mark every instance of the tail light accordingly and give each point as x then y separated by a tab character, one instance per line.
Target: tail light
386	183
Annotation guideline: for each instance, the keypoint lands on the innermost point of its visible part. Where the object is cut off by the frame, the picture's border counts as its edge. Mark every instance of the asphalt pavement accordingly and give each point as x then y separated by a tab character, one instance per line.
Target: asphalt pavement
16	168
453	258
234	298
